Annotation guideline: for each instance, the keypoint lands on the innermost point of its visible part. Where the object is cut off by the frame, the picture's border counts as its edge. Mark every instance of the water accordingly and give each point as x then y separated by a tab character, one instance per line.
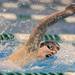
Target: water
63	61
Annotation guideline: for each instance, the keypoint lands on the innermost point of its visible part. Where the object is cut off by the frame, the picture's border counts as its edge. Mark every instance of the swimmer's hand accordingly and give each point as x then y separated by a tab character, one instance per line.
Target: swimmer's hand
71	8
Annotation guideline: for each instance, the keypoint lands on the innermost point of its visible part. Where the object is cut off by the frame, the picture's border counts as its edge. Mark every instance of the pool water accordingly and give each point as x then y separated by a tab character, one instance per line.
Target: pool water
63	61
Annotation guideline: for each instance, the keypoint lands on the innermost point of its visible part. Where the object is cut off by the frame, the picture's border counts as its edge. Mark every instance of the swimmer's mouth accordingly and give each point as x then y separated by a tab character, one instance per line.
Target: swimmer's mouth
48	55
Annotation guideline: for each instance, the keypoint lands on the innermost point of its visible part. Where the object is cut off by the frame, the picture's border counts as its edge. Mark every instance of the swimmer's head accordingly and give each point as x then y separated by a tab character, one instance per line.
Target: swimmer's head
48	48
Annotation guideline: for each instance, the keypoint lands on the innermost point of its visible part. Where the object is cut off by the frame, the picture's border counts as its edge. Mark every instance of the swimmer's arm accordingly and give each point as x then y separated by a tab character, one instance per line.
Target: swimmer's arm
23	52
39	31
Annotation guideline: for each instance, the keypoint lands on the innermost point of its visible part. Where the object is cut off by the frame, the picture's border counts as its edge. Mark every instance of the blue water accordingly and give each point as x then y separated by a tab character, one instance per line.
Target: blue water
48	65
60	62
8	47
63	61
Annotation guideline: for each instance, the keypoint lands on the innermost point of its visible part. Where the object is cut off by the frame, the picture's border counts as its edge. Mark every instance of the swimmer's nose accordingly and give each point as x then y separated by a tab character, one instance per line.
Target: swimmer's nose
51	53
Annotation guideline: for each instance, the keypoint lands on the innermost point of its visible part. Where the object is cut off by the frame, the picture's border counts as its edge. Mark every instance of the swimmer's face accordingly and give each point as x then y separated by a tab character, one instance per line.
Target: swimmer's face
47	49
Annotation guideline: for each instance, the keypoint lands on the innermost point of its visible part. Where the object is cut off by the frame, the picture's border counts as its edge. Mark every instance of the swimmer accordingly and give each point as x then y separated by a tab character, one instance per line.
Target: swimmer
32	50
